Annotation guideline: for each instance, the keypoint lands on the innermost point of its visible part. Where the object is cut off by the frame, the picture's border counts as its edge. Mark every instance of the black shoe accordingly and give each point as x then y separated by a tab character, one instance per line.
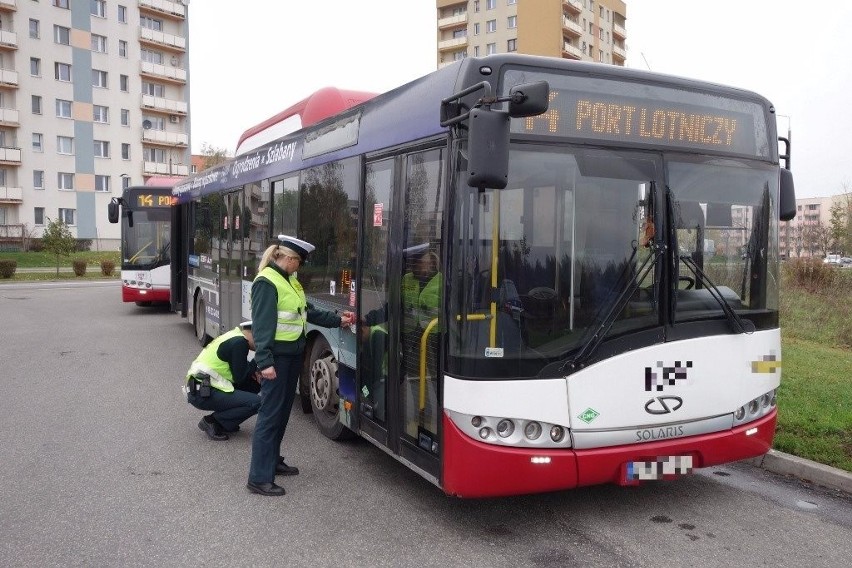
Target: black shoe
282	468
210	429
269	489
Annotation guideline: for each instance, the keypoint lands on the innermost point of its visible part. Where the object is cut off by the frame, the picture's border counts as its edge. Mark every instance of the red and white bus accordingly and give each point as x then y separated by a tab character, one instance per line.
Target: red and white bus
524	242
145	214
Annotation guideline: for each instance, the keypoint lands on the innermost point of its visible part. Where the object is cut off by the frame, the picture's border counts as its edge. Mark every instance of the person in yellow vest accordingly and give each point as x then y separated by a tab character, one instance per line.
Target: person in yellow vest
280	312
221	379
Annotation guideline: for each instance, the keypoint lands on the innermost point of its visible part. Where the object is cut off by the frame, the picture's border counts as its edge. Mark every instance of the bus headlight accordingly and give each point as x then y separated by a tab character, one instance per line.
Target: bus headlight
754	406
557	433
484	433
476	421
505	428
740	413
764	400
532	430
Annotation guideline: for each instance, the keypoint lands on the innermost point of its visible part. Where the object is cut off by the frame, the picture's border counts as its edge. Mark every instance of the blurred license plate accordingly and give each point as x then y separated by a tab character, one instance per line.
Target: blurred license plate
661	468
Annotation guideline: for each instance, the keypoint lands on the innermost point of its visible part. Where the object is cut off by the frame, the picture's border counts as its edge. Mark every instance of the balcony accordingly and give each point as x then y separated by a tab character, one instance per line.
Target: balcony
452	21
571	27
453	43
618	52
160	39
165	138
571	51
163	72
169	106
158	169
9	117
619	31
10	156
573	6
8	5
8	78
8	40
163	8
11	195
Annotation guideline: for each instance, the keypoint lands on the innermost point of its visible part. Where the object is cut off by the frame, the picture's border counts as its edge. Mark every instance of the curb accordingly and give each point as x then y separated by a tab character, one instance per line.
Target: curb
806	470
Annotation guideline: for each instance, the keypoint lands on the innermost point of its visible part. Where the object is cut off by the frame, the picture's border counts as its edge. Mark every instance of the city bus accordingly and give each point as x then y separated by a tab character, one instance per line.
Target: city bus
523	242
145	216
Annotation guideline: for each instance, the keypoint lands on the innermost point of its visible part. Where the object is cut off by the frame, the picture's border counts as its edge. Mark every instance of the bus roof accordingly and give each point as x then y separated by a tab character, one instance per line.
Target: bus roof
310	110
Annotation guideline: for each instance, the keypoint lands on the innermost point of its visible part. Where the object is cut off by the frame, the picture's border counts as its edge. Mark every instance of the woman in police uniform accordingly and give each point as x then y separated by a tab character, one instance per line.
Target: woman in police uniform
279	314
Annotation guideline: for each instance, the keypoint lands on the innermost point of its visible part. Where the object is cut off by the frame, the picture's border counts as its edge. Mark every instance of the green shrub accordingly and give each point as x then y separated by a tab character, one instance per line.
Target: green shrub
83	245
7	268
107	266
79	267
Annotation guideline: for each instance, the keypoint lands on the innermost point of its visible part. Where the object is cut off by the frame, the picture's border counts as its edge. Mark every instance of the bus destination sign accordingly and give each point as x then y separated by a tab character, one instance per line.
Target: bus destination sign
151	200
627	113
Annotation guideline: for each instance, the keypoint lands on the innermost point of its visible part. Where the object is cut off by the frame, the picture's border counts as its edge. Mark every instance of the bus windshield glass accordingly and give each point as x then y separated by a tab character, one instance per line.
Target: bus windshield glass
146	243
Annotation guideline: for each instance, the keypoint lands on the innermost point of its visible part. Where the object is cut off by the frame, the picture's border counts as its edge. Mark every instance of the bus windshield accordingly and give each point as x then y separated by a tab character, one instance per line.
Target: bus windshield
146	243
570	253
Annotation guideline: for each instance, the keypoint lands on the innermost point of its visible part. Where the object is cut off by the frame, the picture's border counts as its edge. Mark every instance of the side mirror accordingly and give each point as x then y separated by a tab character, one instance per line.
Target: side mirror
488	148
112	211
787	198
529	99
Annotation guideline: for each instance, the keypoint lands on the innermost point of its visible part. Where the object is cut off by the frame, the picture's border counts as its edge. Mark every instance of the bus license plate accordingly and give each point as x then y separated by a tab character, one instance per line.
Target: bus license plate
661	468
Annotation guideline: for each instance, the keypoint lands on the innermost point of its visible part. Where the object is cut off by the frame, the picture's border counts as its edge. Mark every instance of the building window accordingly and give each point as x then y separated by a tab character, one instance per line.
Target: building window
491	49
35	66
512	45
122	14
476	29
125	117
35	29
38	179
490	4
125	151
67	216
154	122
476	5
98	8
152	56
124	83
459	33
62	35
62	71
193	169
511	2
512	22
151	23
99	43
36	104
157	155
459	55
153	89
101	149
101	183
63	108
99	78
38	215
65	144
38	142
490	26
122	48
65	180
61	3
476	51
100	113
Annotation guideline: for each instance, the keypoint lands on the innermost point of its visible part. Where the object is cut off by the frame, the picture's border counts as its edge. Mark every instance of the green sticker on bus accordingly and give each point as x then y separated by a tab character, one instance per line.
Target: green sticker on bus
588	415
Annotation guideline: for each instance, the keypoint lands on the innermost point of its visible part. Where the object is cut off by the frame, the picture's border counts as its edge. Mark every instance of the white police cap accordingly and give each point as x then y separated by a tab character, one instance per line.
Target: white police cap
302	248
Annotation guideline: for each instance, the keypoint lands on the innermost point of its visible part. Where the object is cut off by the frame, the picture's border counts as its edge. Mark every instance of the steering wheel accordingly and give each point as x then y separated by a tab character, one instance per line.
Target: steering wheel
690	281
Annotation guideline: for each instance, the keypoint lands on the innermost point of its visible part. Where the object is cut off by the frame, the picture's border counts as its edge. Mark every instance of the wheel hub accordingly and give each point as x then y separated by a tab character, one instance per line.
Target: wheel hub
324	383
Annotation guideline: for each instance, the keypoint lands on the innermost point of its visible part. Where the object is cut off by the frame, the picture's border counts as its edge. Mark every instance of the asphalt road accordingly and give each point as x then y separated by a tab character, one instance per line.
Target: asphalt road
102	464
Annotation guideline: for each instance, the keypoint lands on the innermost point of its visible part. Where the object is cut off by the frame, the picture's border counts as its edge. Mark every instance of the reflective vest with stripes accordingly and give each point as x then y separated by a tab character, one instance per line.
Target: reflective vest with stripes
292	305
208	362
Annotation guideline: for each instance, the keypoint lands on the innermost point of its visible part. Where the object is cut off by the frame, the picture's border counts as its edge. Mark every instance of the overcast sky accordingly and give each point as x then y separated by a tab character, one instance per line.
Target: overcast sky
249	64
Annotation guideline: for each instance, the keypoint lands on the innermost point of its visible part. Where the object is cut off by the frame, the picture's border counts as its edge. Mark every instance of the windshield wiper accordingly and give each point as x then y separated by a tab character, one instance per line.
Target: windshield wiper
588	349
738	324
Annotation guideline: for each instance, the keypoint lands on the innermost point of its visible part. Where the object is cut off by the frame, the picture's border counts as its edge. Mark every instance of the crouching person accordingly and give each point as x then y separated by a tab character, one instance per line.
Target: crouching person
222	380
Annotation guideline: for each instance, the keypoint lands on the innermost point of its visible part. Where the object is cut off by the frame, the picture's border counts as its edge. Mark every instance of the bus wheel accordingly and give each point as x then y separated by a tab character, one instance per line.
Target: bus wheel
325	399
200	322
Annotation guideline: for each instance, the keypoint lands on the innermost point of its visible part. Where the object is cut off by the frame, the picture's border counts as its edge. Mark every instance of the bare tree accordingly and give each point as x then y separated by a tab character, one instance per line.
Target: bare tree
213	156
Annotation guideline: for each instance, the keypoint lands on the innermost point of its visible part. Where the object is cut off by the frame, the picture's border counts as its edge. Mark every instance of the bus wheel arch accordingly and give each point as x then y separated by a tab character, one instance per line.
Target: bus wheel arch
199	321
322	390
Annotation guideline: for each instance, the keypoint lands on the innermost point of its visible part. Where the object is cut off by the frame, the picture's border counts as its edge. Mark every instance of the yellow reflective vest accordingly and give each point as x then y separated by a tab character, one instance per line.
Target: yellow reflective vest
208	362
292	305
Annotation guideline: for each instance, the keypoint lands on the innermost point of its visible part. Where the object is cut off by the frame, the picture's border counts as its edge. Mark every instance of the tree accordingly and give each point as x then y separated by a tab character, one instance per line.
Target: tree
57	239
212	156
841	223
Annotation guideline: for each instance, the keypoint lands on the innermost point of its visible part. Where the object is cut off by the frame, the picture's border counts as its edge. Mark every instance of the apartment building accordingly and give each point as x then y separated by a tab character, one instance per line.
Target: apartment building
94	97
587	30
808	234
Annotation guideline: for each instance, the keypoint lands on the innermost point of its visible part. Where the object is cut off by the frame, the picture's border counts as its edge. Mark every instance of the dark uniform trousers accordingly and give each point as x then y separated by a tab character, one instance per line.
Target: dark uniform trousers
276	400
230	409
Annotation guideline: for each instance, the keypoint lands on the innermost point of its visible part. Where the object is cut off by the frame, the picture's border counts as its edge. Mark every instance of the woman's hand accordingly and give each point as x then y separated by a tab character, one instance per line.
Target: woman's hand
268	373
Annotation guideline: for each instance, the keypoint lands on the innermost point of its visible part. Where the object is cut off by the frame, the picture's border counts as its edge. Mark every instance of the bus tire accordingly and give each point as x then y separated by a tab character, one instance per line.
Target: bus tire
200	322
323	391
